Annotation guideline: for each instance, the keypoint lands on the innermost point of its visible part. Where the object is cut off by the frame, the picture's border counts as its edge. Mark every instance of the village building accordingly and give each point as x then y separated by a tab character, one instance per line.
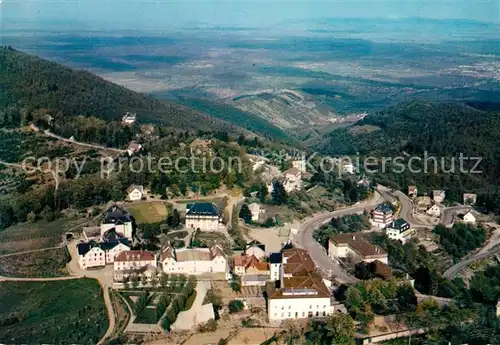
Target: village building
355	247
382	216
129	118
119	219
135	192
292	180
438	196
385	328
90	255
434	210
256	249
301	292
194	260
133	147
252	271
203	216
399	230
255	209
412	191
201	147
470	199
468	218
132	262
423	203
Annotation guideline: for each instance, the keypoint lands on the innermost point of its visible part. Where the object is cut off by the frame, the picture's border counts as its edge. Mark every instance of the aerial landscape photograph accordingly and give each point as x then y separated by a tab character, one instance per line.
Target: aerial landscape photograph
250	172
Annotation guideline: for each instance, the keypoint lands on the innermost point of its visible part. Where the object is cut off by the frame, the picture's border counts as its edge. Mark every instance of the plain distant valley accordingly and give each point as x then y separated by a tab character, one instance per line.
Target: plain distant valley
302	81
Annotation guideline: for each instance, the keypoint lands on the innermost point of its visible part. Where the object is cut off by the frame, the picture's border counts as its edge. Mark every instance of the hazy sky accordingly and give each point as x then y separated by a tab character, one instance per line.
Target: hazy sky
163	14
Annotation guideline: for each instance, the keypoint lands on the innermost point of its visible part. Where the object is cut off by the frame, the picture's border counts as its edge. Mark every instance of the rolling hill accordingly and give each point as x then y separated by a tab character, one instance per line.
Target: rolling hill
28	82
441	130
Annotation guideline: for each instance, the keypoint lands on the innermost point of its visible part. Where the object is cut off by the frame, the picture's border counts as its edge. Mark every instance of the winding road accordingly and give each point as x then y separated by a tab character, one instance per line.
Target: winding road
304	238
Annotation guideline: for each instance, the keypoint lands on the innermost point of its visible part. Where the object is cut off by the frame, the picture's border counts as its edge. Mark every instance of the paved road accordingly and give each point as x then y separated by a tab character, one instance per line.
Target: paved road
304	238
449	213
451	272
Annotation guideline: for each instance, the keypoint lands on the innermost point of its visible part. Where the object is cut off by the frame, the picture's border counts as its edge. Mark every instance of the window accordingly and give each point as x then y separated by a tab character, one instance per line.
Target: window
289	314
282	314
289	307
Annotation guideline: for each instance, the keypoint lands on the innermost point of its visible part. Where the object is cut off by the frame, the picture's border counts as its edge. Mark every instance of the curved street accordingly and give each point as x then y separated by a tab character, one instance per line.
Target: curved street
304	238
451	272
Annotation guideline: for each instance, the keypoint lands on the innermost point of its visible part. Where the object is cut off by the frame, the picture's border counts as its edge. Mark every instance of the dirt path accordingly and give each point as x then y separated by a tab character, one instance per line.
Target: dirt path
30	251
79	143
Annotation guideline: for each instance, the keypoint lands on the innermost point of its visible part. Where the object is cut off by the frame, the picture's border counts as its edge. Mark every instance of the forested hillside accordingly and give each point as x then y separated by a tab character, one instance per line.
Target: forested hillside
28	83
440	129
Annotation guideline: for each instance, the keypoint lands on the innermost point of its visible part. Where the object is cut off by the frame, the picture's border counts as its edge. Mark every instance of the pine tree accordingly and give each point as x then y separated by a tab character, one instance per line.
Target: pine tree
279	194
245	213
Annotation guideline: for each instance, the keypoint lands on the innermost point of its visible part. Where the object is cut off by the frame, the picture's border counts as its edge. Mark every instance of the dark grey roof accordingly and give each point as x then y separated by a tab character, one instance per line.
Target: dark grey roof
275	258
111	244
399	224
83	248
256	243
202	209
116	215
384	208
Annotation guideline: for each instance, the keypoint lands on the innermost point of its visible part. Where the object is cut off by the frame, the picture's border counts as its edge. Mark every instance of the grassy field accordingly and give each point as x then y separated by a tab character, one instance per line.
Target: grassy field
30	236
47	263
149	212
62	312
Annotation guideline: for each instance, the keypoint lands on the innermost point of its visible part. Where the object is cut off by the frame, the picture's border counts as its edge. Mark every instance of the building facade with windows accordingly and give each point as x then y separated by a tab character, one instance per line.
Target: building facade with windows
382	216
194	260
203	216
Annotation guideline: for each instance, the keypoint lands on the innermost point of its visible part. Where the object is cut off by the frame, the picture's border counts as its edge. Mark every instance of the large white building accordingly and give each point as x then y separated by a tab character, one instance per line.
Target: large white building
399	230
203	216
194	260
355	247
93	254
131	262
382	216
117	218
302	292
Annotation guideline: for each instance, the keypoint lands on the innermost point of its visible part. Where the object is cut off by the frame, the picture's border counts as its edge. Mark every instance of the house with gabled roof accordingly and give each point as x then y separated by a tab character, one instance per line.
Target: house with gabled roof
356	247
255	248
292	180
132	262
98	254
252	271
117	218
194	260
399	230
135	192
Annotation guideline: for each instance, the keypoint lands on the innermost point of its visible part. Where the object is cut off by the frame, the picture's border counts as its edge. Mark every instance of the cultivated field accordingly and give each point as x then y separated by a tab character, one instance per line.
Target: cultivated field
149	212
46	263
57	312
31	236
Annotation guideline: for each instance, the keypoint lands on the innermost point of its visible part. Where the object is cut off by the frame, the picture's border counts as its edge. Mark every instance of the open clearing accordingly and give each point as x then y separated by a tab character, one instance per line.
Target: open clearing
47	263
56	312
149	212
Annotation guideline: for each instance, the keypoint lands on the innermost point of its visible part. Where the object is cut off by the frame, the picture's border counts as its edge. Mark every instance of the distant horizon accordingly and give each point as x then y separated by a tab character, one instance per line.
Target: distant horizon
137	15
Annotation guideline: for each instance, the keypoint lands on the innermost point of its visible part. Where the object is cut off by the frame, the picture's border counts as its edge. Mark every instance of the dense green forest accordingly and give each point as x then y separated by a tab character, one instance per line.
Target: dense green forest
30	83
442	130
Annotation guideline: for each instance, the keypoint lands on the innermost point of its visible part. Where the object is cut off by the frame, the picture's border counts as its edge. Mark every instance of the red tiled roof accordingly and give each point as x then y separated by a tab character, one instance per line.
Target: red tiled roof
298	262
135	255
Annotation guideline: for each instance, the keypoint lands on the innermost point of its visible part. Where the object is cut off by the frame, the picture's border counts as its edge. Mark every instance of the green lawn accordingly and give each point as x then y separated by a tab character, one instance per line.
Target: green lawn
47	263
63	312
150	212
148	315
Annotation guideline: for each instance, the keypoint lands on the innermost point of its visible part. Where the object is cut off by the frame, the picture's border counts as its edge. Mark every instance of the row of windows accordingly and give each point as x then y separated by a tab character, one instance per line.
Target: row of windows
310	314
290	307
